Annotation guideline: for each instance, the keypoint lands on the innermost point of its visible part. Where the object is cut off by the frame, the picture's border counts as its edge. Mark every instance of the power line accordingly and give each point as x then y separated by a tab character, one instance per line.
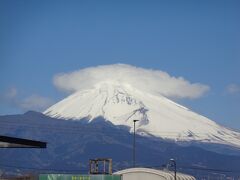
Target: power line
84	169
210	169
42	169
182	167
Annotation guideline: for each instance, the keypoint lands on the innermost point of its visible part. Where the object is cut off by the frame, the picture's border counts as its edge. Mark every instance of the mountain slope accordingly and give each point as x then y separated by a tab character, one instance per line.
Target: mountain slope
70	144
160	117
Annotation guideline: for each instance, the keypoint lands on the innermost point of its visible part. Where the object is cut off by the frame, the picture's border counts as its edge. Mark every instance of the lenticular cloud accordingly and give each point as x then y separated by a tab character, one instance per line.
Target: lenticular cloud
151	81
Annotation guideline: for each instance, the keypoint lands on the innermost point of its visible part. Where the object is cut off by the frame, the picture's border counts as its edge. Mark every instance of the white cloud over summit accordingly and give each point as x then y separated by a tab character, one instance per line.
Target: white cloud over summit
152	81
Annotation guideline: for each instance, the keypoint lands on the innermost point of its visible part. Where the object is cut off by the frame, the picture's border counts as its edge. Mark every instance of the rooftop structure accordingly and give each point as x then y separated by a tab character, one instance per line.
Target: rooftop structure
13	142
153	174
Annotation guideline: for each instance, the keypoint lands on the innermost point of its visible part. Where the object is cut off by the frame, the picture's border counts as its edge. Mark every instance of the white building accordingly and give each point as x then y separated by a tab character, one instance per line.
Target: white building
151	174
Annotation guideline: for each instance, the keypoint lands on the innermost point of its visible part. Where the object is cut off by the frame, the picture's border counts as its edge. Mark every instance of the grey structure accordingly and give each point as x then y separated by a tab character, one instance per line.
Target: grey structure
151	174
13	142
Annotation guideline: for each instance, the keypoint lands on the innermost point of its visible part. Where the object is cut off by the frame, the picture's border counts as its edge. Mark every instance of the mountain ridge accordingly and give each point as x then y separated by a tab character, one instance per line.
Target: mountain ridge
157	115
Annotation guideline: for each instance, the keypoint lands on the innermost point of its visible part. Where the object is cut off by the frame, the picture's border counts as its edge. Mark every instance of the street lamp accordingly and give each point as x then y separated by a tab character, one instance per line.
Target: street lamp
134	143
175	168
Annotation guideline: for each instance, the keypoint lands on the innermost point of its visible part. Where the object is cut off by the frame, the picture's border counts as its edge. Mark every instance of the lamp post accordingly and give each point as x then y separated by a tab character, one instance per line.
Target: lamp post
175	168
134	143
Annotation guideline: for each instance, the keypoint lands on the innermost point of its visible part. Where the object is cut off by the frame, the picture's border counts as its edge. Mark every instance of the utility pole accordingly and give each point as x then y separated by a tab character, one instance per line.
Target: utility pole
134	143
175	168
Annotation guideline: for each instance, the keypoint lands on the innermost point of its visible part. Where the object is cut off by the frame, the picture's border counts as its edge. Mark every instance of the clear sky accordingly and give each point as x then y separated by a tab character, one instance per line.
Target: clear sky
197	40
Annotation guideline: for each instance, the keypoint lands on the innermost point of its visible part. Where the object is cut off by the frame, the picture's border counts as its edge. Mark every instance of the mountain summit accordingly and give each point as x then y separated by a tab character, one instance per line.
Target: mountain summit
158	116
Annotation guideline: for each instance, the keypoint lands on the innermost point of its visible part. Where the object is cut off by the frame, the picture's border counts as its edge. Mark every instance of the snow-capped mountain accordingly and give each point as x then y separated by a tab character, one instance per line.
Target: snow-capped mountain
157	115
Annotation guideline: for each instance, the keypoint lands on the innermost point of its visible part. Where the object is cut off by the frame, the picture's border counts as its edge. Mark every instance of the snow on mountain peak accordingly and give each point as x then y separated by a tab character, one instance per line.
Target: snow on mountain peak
121	103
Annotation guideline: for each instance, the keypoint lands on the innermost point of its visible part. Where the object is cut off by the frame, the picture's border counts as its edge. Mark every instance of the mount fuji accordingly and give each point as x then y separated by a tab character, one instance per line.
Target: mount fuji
158	116
97	122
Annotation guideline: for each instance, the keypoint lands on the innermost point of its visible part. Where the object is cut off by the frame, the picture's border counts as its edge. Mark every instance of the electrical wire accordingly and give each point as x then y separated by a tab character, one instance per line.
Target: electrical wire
156	166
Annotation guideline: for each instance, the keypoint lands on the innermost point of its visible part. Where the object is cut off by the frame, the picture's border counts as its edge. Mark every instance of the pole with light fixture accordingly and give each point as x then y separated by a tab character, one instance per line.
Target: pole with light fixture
175	168
134	143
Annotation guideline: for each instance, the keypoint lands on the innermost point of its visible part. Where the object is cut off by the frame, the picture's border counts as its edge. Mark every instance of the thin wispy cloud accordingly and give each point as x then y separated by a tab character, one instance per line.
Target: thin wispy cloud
11	93
233	88
35	102
149	80
32	102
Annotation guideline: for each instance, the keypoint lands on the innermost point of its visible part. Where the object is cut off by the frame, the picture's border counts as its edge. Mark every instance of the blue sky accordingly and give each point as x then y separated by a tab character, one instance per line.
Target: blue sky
197	40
